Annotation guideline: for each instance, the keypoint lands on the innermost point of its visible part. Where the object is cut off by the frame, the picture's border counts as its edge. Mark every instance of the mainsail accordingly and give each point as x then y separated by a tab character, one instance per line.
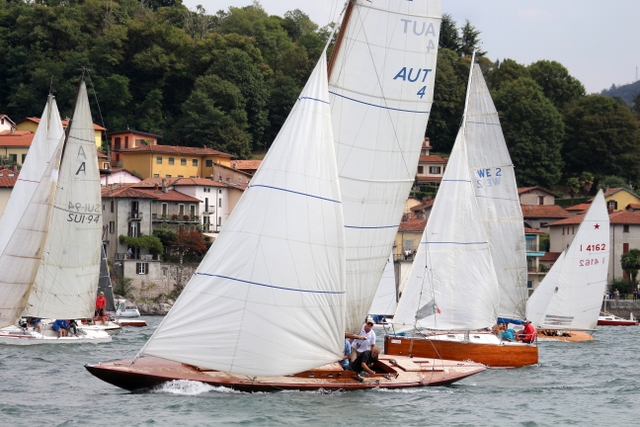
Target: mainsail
494	183
570	296
269	296
382	76
25	221
67	279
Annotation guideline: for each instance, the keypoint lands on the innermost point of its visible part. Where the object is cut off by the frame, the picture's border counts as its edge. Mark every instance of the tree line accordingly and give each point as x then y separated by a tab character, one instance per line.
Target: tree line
228	80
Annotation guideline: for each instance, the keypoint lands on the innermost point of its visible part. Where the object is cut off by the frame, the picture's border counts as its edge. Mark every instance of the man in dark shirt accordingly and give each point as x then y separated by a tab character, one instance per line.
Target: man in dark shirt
365	361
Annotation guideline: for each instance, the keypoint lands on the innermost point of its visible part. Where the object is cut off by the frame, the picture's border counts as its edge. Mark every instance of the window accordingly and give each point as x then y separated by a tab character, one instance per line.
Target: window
180	176
171	160
158	160
434	170
183	162
612	204
192	211
181	207
541	200
168	175
209	163
134	231
112	205
219	203
164	271
24	156
420	170
206	204
625	228
142	267
219	191
529	284
156	175
118	141
165	209
194	162
625	248
112	227
219	221
14	158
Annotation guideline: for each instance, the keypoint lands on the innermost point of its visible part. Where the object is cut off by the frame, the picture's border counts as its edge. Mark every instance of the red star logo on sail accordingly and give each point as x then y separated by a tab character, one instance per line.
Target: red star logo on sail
596	226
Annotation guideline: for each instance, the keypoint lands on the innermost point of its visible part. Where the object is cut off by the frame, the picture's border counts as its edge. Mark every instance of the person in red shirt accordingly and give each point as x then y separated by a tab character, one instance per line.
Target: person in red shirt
101	303
528	334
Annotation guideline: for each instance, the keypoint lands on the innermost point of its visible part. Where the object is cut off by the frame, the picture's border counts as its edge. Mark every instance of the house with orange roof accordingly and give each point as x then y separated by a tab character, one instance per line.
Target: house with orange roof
578	209
624	235
248	166
31	124
539	216
536	196
8	178
118	176
6	124
430	166
14	145
405	246
618	199
131	211
216	198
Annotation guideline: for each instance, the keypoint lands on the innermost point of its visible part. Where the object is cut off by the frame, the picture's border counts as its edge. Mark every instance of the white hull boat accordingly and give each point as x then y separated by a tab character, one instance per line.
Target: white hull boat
15	335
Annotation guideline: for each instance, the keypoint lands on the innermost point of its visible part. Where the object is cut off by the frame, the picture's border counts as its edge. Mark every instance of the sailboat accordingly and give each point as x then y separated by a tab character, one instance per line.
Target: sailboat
385	300
470	267
273	284
566	304
49	265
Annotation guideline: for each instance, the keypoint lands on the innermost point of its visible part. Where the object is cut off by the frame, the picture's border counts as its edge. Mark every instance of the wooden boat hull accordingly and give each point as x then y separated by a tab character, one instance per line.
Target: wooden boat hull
500	355
131	322
392	372
568	336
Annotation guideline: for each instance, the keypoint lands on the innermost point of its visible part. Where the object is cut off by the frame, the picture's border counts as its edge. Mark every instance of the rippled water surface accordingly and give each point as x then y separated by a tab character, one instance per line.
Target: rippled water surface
579	384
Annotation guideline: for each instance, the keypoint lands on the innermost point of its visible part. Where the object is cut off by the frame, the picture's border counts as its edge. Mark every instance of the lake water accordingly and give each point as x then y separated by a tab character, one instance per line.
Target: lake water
579	384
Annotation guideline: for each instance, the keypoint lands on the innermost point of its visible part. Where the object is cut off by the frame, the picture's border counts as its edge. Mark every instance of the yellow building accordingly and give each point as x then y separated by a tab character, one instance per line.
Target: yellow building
31	124
140	153
618	199
14	145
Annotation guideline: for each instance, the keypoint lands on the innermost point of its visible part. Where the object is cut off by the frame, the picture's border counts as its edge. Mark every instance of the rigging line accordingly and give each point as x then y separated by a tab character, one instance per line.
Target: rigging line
95	95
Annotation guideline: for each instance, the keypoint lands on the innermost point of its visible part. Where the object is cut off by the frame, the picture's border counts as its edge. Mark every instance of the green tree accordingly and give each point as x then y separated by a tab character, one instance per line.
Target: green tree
573	187
238	68
449	36
284	92
612	181
630	262
586	181
533	130
556	82
507	71
602	137
470	40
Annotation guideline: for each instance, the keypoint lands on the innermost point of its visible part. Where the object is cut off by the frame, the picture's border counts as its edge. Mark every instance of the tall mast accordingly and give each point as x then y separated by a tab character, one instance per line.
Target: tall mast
336	47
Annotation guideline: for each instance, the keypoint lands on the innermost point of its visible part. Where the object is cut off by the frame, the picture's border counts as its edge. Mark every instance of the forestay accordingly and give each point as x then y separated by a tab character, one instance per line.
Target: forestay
577	288
269	296
384	301
494	183
452	284
381	85
67	280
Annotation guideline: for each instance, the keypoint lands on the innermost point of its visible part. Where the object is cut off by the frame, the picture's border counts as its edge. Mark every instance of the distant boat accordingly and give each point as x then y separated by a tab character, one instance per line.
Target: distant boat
608	319
49	266
470	266
266	308
566	304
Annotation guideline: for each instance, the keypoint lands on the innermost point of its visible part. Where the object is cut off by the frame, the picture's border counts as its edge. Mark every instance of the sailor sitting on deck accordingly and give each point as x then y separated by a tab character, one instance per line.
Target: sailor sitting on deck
365	361
508	335
528	334
346	354
60	326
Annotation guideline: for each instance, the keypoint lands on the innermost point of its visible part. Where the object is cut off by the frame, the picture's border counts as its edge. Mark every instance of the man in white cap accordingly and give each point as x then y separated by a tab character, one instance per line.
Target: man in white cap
366	340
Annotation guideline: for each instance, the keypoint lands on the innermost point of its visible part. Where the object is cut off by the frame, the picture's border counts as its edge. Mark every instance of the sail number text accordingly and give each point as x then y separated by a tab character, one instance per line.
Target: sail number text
594	247
489	177
588	262
84	213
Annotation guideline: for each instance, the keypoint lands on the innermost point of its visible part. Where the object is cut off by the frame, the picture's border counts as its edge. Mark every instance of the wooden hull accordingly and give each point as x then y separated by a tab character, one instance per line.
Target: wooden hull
568	336
502	355
392	372
131	322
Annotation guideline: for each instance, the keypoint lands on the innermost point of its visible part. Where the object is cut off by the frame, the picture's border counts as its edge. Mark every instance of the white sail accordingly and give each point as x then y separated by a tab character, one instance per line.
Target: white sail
67	279
48	136
494	182
384	301
539	300
576	289
25	221
269	297
453	284
381	84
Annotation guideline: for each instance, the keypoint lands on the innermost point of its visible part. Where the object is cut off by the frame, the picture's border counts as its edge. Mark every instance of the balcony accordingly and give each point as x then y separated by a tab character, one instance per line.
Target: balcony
135	216
176	219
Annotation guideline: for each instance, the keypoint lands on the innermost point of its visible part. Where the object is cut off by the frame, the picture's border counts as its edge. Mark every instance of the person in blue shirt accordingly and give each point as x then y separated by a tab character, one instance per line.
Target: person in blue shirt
345	356
60	326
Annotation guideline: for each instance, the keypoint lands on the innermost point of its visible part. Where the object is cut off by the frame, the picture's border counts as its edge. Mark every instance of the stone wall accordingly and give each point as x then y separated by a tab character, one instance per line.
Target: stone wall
622	308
